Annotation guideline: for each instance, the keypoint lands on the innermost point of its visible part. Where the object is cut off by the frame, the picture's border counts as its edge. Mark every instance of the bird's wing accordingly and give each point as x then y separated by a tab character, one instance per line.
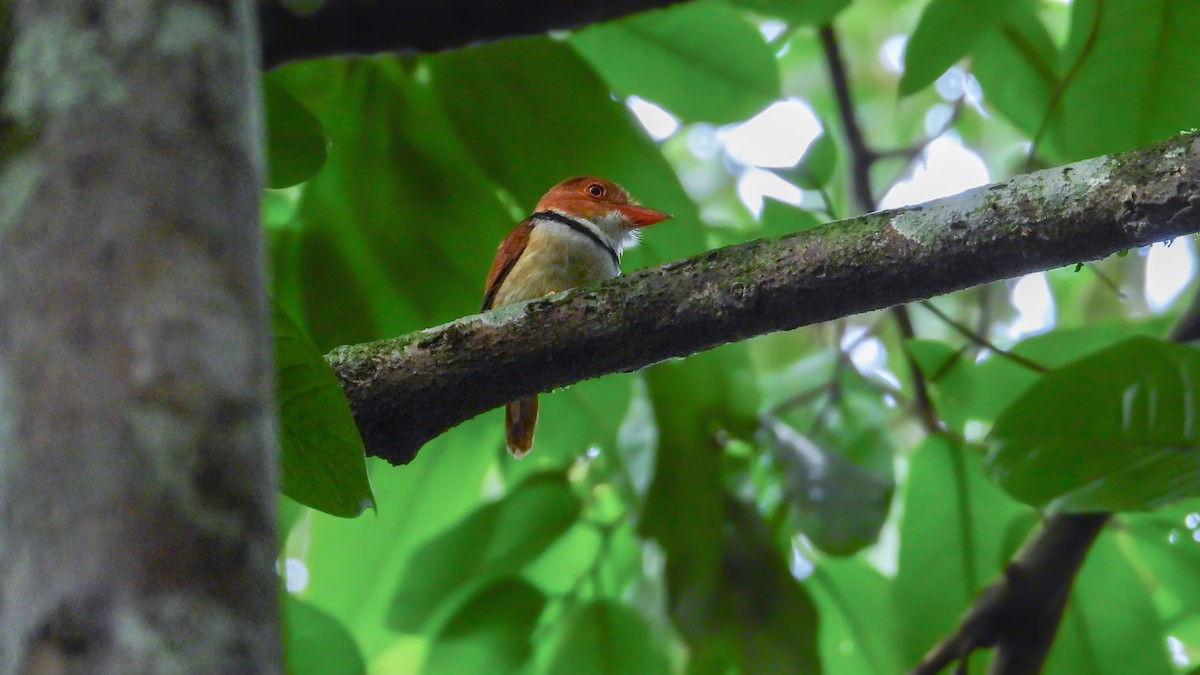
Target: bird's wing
506	257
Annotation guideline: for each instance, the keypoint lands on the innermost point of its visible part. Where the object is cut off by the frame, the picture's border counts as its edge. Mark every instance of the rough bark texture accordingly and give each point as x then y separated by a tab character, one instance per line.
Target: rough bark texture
137	440
407	390
408	26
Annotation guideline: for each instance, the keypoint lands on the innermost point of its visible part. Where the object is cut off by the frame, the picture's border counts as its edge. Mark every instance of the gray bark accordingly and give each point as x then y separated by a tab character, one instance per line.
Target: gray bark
407	390
137	432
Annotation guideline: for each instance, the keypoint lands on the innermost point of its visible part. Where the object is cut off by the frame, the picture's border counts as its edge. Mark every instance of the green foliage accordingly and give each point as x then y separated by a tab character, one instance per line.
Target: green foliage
295	140
604	638
323	464
816	167
947	32
317	643
497	540
779	505
958	530
1133	63
796	13
1112	431
490	633
1110	626
669	56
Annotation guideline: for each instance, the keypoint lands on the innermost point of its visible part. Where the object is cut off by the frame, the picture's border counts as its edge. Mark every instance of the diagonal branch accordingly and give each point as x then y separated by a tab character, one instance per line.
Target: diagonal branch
407	390
1019	613
340	27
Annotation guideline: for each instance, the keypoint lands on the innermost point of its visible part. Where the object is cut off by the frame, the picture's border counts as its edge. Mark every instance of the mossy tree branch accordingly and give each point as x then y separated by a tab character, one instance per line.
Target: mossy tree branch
415	26
407	390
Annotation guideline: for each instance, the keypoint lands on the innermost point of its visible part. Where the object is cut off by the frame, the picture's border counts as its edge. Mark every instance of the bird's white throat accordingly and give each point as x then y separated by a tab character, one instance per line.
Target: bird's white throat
611	229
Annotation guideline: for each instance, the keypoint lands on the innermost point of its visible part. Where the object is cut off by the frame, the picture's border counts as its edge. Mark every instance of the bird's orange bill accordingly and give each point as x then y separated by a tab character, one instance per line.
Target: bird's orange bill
641	216
520	418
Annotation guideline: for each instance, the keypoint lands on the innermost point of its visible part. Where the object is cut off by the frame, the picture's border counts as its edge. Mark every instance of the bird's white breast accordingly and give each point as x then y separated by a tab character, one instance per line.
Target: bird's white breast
557	258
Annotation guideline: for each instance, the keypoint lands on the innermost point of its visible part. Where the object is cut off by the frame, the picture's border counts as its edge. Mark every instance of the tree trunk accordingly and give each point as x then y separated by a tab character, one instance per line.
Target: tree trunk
137	479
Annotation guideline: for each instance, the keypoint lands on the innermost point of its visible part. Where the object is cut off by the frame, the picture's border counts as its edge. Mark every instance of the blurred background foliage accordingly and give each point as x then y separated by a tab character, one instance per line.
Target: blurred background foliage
770	506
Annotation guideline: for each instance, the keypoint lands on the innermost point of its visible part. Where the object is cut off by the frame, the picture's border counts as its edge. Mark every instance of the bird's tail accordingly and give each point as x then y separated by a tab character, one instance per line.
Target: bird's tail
520	417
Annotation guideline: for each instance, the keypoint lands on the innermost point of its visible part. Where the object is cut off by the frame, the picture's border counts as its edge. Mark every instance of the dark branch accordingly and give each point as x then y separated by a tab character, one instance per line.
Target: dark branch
342	27
407	390
1019	613
861	156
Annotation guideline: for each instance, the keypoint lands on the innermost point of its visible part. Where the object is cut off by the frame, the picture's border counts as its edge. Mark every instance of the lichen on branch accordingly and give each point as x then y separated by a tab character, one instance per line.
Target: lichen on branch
407	390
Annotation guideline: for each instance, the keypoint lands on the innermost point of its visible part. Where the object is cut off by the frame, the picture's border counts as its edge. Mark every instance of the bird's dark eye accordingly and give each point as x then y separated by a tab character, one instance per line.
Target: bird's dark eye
596	190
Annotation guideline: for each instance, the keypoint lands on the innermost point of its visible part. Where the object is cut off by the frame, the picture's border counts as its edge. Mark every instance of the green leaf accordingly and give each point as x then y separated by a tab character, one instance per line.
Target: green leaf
407	247
840	505
693	400
951	540
796	13
1110	626
860	626
1167	549
947	31
816	166
317	643
1113	431
1136	77
701	61
355	565
779	219
558	120
1017	66
604	638
964	390
497	540
295	139
753	616
558	569
324	462
490	634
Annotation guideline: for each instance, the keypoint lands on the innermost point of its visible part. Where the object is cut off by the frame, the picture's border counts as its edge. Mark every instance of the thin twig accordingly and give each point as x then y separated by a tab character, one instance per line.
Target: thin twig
982	341
861	156
1061	89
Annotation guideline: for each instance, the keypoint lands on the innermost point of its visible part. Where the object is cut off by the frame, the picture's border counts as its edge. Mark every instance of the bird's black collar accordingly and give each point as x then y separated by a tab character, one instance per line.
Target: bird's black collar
585	231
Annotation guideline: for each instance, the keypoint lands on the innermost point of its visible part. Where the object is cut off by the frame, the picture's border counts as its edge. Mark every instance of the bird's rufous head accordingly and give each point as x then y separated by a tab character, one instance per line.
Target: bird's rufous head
591	198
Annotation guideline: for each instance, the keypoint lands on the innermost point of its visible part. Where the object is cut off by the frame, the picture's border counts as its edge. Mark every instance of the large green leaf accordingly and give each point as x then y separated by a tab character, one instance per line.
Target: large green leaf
860	627
947	31
1017	66
604	638
533	114
295	140
1113	431
1135	81
693	401
701	61
839	504
490	634
317	643
815	169
324	463
753	616
1166	548
497	540
954	538
399	228
355	565
965	390
796	12
1110	626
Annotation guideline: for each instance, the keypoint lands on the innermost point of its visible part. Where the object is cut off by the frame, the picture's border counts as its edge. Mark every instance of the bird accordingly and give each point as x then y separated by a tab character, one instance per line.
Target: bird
574	238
